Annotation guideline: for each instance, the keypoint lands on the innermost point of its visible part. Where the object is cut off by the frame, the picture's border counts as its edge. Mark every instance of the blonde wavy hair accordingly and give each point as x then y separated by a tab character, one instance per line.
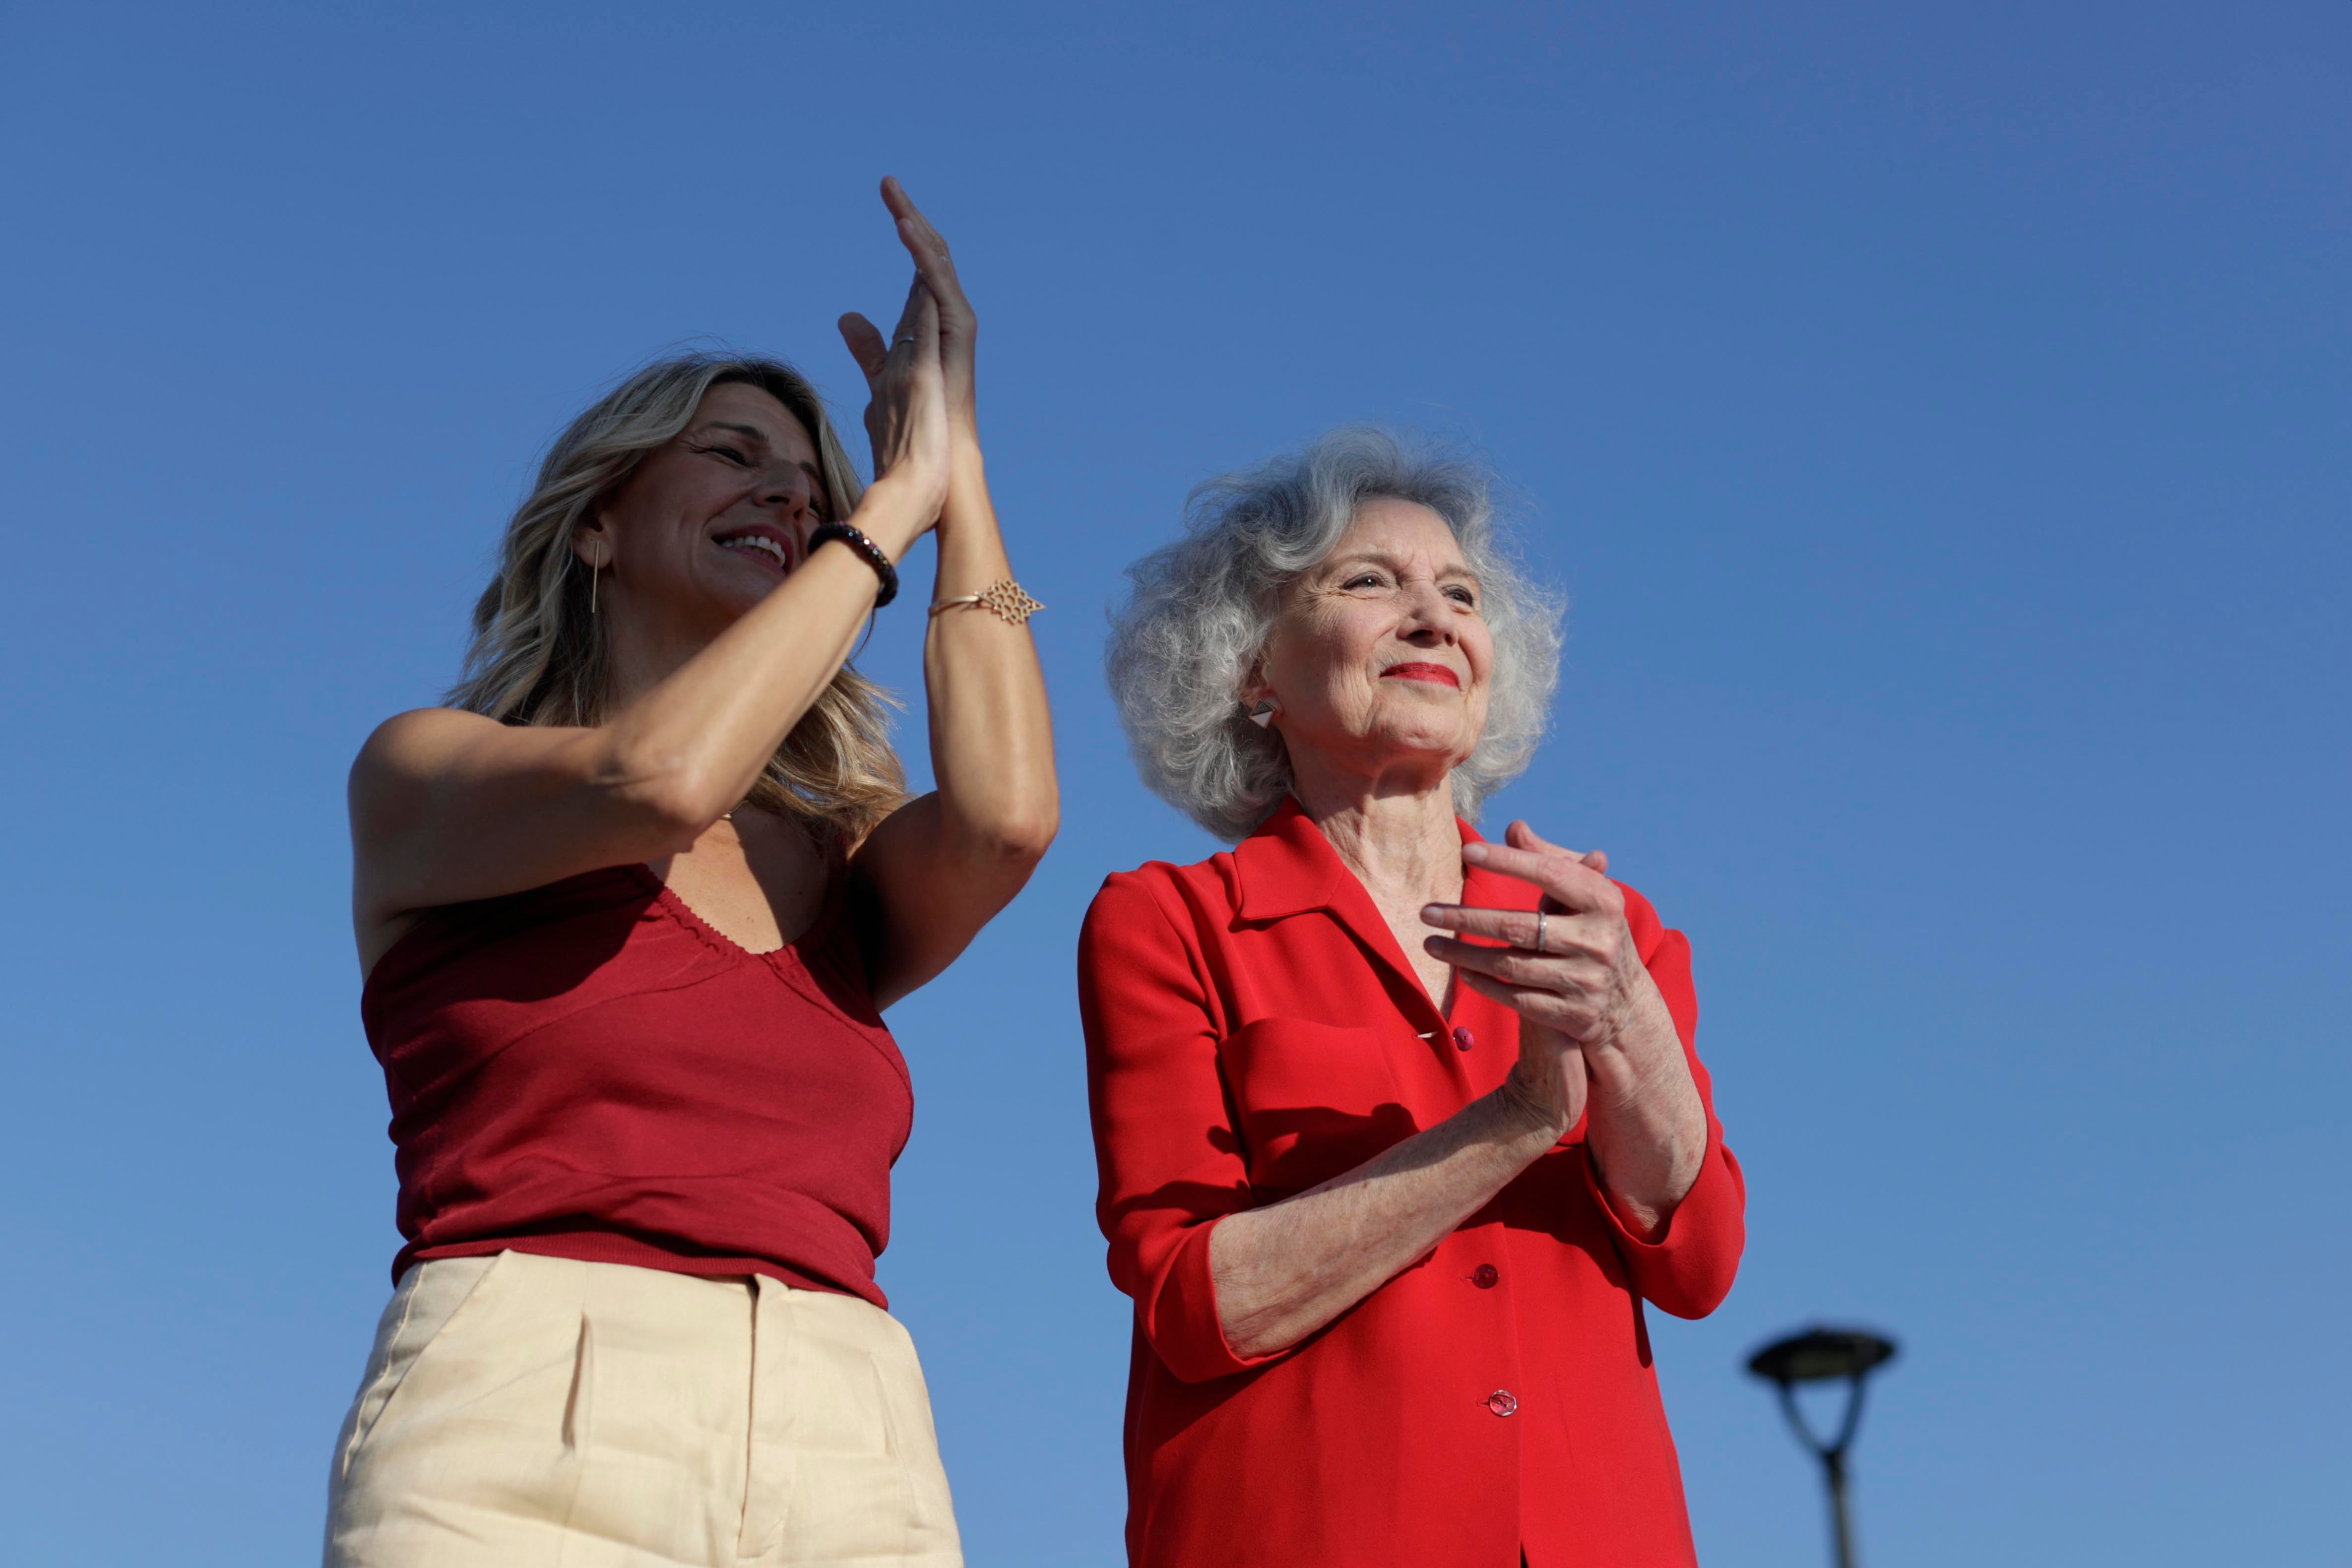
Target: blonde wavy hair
539	657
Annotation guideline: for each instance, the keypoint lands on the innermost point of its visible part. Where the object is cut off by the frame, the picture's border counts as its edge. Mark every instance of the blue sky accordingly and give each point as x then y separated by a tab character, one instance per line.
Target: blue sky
1936	417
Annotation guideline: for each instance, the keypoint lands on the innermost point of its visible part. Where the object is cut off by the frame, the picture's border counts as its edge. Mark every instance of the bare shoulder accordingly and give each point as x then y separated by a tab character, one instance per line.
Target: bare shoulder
410	749
413	742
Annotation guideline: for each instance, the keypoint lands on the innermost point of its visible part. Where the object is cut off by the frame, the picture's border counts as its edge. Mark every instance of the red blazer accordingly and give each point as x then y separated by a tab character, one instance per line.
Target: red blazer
1252	1029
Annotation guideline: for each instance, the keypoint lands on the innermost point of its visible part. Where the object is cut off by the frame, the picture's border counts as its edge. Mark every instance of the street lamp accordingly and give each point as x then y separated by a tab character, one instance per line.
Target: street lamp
1815	1356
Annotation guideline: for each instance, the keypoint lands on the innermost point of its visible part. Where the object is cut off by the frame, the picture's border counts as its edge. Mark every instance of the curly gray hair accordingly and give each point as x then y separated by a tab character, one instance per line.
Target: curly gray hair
1202	607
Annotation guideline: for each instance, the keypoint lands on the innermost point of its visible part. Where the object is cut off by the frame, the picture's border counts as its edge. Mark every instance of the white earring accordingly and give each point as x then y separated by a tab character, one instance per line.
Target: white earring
1263	715
595	574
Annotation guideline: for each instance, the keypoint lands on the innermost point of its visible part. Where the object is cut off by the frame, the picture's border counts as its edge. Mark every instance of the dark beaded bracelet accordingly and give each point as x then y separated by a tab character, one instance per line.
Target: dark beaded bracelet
856	540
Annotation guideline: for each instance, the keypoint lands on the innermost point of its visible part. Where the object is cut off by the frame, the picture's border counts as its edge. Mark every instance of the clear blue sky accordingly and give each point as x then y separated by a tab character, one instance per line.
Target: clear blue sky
1937	414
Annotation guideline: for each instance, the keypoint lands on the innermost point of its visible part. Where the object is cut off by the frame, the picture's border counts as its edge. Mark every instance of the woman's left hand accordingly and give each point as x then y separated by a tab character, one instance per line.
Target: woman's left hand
959	326
1572	969
1570	965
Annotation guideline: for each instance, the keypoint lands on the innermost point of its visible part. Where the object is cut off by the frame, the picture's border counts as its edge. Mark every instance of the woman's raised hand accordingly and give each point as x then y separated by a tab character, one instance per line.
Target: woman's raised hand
906	416
959	328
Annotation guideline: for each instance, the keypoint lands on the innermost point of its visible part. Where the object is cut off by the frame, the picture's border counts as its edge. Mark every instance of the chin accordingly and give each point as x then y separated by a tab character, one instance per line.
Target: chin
1421	727
1447	747
740	594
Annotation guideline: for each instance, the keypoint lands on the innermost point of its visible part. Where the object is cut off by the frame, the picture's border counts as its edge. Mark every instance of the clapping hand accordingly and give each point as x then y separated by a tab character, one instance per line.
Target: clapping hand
935	274
1568	968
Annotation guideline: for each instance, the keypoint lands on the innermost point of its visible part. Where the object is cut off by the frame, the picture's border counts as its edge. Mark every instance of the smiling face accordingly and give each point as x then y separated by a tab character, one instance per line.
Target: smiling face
708	525
1379	657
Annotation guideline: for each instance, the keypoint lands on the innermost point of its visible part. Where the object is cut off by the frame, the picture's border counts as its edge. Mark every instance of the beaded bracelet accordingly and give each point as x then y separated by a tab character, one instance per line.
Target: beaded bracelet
871	552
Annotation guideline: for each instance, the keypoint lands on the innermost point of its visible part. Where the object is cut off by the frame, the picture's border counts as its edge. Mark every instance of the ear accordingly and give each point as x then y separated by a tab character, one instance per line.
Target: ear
1257	699
1253	689
592	543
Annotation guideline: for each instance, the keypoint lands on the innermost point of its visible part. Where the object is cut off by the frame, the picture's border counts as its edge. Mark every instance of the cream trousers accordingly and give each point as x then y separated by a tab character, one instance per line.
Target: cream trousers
525	1411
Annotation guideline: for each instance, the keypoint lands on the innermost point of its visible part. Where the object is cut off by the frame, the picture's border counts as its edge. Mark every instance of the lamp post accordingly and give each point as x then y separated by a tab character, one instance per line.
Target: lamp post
1818	1355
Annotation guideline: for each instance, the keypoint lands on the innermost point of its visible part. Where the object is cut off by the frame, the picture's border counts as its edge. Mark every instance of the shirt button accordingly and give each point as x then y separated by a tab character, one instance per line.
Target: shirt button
1485	1275
1462	1039
1501	1402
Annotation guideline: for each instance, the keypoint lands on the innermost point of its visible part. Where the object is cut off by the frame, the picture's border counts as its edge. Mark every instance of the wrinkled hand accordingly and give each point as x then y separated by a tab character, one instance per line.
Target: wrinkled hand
959	326
1582	994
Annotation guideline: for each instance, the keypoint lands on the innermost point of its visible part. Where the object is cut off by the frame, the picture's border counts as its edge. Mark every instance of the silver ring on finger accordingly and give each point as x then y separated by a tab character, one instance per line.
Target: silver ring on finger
1539	931
899	342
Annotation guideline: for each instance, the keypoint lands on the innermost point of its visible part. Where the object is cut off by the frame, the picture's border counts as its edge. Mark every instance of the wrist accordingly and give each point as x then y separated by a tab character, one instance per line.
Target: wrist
967	480
1640	1046
1531	1109
855	539
891	515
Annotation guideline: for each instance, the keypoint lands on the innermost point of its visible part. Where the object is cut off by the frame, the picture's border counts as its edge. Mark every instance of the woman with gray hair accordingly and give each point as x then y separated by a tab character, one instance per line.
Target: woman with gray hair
628	909
1398	1129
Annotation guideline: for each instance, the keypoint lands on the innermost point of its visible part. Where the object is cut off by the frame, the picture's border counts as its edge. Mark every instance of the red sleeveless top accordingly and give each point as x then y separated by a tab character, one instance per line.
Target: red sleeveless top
589	1071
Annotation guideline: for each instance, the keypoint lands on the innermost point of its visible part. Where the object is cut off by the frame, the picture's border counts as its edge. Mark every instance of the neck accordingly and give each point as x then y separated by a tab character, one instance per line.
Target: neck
639	656
1397	833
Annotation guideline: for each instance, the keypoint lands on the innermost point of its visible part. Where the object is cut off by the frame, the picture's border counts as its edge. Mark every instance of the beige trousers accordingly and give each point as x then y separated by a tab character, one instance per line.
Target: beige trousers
525	1411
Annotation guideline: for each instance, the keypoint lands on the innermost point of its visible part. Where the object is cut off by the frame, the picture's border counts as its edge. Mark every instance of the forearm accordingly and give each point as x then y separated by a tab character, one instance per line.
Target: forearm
1285	1271
992	742
1647	1126
693	745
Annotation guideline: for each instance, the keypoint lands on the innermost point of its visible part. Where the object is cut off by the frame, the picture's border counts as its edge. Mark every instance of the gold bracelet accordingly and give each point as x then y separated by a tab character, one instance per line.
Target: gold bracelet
1004	600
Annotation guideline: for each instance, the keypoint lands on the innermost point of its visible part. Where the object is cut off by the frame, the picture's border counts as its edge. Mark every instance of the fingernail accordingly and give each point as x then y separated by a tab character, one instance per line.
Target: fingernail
1473	852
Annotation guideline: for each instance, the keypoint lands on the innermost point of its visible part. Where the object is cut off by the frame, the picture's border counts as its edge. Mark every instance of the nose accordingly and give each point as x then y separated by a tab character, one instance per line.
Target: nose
790	492
1430	620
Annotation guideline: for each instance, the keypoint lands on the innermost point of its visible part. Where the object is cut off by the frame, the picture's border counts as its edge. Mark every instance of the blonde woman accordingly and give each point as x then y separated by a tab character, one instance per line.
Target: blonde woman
629	908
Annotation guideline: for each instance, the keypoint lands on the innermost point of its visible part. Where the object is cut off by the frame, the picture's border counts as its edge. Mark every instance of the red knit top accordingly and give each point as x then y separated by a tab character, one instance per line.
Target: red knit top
589	1071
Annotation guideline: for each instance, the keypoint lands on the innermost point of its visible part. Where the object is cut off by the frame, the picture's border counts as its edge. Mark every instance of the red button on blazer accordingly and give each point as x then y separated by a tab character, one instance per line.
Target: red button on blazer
1253	1029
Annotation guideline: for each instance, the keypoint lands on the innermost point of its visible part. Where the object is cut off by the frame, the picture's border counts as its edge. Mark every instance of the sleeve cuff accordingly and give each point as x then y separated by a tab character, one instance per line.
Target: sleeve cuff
1182	1324
1687	1267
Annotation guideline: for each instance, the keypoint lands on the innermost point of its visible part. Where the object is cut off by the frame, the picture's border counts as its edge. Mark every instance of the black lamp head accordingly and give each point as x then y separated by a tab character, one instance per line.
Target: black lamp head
1821	1352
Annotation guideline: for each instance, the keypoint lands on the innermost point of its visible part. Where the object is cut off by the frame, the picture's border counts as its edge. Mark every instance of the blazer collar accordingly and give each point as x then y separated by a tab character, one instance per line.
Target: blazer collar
1288	867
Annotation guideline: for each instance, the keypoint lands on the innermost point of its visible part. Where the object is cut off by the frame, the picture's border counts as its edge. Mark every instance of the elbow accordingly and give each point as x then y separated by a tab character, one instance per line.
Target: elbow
674	802
1695	1289
1689	1305
1711	1290
1016	838
1027	839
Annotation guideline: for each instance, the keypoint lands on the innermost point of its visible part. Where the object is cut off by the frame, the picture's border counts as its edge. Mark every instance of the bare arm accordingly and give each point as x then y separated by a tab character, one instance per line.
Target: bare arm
1287	1270
448	806
941	867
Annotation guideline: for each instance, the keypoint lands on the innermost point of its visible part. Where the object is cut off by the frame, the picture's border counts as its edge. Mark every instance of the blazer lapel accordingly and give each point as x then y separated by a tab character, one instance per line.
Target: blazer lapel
1288	867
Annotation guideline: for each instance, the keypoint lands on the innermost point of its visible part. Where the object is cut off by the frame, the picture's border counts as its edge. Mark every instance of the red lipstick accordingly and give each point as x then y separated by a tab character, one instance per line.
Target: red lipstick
1437	675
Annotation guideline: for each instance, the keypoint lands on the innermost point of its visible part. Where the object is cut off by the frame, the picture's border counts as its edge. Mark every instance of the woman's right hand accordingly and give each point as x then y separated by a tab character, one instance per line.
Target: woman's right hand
905	419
